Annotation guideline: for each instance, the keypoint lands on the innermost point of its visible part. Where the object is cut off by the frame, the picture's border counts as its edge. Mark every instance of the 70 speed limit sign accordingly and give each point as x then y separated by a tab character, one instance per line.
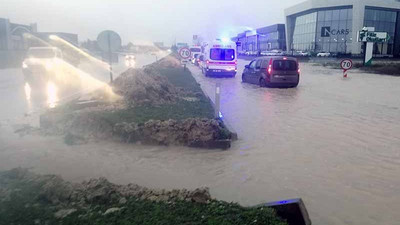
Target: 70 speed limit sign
346	64
185	53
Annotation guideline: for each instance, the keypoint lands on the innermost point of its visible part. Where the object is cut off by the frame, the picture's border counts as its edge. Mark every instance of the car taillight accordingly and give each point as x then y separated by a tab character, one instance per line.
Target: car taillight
235	62
270	67
298	67
208	62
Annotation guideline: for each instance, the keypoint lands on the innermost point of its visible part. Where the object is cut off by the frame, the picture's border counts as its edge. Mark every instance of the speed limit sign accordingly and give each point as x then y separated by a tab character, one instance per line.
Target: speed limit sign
184	53
346	64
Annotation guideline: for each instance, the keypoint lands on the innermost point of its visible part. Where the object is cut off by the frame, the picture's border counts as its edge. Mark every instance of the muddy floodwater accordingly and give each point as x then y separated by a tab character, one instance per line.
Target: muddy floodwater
333	142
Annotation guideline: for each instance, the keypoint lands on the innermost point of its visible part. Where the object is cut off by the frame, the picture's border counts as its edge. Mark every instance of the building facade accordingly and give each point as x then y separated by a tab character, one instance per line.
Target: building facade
333	25
11	35
262	39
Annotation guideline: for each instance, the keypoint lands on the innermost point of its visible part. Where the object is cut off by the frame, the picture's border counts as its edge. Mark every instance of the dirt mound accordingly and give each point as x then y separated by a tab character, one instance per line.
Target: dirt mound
169	62
139	86
192	132
55	190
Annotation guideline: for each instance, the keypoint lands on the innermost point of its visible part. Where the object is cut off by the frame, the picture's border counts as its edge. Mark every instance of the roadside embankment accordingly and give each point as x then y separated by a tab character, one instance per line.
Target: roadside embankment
28	198
160	104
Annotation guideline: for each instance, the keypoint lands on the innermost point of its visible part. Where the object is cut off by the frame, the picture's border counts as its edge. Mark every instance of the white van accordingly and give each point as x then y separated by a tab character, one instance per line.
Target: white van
220	59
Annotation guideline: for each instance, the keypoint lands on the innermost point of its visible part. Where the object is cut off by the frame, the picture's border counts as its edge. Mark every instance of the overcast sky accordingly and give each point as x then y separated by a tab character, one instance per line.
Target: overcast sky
147	20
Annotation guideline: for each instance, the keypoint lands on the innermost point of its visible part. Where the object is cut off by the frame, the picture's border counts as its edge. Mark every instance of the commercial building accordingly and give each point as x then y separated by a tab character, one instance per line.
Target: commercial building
333	25
262	39
11	35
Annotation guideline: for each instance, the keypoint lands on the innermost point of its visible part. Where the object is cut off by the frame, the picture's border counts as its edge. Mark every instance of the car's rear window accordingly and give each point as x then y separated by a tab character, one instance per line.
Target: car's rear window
222	54
288	65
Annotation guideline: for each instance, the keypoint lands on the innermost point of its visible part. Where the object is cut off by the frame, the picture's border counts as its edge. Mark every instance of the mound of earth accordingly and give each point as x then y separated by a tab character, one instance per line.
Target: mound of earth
27	198
169	62
53	189
139	86
193	132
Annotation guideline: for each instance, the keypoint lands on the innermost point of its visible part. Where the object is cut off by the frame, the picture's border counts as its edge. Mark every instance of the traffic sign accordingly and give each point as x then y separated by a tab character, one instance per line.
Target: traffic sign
346	64
109	41
185	53
372	36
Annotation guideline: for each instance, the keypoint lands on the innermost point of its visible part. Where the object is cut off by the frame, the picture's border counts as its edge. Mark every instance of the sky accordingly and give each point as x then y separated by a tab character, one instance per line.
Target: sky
141	21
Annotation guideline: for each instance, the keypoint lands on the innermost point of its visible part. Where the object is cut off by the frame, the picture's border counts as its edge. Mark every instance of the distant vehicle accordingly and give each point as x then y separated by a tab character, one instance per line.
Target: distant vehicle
264	53
241	52
323	54
201	62
194	50
302	53
252	53
194	57
198	59
275	53
267	71
130	60
40	63
220	58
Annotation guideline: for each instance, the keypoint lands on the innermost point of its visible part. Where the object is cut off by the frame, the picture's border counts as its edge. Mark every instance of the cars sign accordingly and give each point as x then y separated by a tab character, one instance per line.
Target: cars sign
346	64
185	53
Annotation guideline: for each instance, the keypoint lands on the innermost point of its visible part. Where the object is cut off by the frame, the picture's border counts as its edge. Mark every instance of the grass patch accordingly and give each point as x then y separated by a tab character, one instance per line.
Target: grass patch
178	111
181	78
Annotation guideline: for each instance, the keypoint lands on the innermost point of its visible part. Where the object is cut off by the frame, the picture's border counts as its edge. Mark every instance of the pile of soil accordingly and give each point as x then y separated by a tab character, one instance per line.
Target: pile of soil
55	190
194	132
168	62
27	198
140	86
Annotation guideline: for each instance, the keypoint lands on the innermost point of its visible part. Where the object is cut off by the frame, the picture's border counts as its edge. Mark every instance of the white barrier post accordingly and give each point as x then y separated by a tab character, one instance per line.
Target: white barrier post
217	99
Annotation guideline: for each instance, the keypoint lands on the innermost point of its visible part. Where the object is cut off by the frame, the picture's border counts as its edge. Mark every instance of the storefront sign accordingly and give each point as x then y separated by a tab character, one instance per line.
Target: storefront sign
327	32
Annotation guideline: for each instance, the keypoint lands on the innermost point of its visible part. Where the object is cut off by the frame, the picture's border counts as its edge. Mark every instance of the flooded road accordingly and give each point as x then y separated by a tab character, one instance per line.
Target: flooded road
333	142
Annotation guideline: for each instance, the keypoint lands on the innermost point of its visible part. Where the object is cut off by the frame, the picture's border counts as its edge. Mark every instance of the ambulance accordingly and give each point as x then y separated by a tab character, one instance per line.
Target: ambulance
220	59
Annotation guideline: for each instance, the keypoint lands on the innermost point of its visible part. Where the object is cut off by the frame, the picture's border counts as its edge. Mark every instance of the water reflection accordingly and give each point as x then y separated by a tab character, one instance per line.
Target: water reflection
28	92
51	91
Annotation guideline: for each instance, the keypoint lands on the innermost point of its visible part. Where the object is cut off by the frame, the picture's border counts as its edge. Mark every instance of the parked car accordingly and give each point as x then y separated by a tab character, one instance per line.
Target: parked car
273	53
272	70
323	54
302	53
